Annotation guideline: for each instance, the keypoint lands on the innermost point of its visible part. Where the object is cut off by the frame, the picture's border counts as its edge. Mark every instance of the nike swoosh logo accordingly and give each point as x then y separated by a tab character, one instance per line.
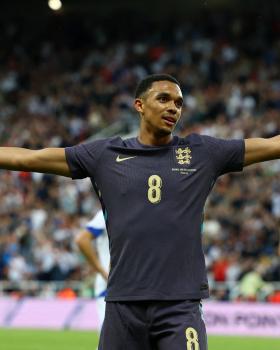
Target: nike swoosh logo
119	159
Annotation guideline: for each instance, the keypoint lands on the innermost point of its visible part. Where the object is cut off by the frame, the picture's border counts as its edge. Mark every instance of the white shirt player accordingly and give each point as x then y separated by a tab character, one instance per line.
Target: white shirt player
97	228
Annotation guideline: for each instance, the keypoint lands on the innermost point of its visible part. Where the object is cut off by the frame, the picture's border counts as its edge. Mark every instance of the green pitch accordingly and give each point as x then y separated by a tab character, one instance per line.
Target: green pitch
72	340
47	340
243	343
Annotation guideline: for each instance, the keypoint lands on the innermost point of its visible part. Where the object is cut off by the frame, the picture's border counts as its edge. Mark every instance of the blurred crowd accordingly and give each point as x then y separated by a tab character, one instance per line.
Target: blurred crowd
60	87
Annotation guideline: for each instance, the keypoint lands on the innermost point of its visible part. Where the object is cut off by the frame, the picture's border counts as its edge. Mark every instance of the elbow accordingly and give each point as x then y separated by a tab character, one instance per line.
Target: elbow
82	239
25	162
276	138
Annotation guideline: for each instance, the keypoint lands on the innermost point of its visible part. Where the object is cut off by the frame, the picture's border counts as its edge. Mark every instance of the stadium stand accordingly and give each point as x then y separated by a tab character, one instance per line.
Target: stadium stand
57	92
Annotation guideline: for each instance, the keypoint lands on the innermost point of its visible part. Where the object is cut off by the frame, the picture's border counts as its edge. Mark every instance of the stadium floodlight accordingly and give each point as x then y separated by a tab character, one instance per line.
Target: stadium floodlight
55	5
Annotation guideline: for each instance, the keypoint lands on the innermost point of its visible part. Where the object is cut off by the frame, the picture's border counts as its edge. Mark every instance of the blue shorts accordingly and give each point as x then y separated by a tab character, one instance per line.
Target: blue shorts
153	325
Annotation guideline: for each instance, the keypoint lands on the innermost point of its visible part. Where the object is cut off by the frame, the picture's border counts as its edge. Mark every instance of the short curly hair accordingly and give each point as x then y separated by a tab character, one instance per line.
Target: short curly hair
147	82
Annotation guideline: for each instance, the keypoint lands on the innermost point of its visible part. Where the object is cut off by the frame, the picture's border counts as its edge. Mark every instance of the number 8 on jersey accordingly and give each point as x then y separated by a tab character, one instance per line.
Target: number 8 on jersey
154	191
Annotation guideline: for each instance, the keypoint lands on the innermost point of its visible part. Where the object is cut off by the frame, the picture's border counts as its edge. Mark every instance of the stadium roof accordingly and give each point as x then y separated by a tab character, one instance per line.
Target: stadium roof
155	8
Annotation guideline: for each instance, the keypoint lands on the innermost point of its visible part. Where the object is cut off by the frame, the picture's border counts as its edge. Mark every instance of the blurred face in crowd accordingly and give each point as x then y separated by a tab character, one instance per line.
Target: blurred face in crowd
160	108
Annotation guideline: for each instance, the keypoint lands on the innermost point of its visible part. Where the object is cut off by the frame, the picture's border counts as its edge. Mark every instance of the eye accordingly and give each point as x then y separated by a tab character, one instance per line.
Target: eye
163	98
179	104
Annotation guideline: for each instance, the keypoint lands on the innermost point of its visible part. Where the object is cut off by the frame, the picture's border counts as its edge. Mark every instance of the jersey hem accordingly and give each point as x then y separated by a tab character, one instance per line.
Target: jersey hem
158	297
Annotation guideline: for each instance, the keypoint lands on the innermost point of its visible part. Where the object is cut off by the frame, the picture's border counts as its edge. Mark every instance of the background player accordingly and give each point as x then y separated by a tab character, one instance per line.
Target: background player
98	256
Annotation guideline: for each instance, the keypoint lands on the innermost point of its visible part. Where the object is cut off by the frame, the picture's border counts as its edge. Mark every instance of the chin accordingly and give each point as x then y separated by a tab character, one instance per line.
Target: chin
164	132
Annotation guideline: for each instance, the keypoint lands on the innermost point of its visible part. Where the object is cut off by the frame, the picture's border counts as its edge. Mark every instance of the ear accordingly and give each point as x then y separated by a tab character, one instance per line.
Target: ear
138	105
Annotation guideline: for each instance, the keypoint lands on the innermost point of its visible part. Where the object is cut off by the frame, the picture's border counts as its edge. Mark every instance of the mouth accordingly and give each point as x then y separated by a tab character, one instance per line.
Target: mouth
170	121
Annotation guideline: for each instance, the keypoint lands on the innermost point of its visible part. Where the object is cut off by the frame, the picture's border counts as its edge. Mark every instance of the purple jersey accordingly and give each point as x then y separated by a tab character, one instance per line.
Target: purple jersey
153	199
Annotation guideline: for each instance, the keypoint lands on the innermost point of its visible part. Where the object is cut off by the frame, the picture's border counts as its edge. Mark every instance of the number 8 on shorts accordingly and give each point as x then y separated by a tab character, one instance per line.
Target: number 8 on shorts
192	339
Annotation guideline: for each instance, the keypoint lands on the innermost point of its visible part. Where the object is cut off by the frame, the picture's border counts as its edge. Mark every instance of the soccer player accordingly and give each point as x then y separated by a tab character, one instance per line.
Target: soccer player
98	257
152	189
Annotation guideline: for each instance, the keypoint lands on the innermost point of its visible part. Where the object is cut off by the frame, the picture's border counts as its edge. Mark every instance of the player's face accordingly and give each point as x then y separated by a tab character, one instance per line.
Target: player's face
160	107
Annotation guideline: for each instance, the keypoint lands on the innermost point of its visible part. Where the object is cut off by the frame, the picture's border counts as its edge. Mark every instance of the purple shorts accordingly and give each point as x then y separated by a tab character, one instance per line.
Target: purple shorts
153	325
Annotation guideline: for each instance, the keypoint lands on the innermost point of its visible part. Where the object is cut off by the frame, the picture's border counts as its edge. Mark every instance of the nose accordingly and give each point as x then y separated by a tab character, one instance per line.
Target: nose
172	108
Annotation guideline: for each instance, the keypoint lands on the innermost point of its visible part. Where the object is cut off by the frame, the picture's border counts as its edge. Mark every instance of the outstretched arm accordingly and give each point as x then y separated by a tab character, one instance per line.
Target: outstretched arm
83	241
47	160
260	150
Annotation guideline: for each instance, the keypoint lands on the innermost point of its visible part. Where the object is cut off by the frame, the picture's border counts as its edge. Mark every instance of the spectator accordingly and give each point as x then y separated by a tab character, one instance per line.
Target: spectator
52	95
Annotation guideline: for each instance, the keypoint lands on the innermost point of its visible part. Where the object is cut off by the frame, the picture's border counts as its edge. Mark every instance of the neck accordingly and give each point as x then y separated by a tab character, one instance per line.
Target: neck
151	139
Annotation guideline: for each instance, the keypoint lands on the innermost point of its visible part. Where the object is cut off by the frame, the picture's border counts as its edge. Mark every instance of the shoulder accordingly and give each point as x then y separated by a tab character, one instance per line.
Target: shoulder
206	140
102	142
95	147
115	141
191	139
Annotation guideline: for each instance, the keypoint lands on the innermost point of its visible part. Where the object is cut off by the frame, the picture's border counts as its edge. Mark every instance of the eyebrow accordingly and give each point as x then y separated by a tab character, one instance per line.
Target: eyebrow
166	94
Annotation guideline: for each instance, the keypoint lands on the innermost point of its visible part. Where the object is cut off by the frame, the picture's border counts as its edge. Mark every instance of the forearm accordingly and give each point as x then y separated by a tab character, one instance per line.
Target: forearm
14	158
261	150
83	241
91	258
48	160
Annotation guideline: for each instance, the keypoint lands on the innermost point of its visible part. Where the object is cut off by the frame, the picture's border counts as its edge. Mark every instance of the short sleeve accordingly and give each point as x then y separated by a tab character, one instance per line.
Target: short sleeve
82	159
227	155
97	225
